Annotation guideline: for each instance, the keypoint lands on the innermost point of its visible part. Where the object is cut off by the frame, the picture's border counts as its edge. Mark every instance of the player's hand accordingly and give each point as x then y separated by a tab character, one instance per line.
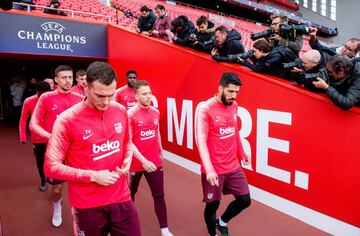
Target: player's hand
213	179
247	160
149	166
124	168
104	177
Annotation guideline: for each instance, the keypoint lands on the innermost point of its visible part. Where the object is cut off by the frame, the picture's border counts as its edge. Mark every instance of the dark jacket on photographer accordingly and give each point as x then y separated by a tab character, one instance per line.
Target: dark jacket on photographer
147	23
272	64
205	40
345	93
182	37
332	52
231	46
299	78
295	44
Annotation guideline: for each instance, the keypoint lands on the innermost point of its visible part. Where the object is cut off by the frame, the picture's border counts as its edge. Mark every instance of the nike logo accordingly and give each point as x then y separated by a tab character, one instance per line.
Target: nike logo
87	136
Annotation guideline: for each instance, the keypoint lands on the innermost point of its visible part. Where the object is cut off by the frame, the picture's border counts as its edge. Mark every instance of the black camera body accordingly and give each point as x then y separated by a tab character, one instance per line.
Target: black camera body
263	34
286	31
246	55
192	37
310	77
298	63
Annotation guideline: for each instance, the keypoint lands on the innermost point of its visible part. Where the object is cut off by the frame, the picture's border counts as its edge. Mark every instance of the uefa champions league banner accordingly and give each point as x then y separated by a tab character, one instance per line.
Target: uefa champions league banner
303	148
29	34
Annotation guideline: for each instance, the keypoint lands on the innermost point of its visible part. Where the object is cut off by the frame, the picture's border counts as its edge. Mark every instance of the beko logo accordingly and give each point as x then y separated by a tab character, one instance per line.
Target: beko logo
147	134
109	147
229	131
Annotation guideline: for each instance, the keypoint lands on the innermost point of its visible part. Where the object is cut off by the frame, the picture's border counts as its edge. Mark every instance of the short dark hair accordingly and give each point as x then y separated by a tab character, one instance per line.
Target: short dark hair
140	83
160	7
282	18
55	2
339	63
101	72
178	22
356	40
62	68
80	72
263	45
42	87
144	8
131	72
222	29
201	20
230	78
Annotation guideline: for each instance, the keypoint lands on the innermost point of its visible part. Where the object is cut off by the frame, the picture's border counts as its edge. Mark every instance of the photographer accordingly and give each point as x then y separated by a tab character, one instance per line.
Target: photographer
350	49
269	60
205	35
181	30
295	43
226	43
146	20
339	83
162	23
310	62
54	4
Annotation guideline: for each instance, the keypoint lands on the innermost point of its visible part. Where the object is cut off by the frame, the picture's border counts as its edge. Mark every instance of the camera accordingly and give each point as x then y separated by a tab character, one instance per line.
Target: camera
297	63
192	37
236	58
286	31
263	34
310	77
246	55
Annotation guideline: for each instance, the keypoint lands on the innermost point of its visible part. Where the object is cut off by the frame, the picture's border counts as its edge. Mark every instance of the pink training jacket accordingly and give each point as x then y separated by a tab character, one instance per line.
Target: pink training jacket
125	96
78	89
144	129
86	139
26	112
218	137
49	106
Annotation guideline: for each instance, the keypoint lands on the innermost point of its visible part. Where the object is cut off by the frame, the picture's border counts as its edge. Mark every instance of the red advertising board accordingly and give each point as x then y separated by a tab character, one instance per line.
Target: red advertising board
303	147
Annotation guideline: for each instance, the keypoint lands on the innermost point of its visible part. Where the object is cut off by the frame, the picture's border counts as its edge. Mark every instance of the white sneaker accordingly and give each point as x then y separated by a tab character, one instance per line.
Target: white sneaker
168	233
57	218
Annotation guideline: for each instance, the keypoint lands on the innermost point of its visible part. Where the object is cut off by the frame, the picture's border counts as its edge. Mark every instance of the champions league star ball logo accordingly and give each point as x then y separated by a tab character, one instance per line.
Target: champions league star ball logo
118	127
52	26
234	116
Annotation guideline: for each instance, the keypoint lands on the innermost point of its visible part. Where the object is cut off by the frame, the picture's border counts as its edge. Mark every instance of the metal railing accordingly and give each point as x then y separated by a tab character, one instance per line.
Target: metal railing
29	8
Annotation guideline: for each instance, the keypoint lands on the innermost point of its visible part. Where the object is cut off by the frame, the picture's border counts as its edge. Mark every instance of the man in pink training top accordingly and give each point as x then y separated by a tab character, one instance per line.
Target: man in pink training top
93	154
125	95
49	106
81	80
39	143
220	150
148	152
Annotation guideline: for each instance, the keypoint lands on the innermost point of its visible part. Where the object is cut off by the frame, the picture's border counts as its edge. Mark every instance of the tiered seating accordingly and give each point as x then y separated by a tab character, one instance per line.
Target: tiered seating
245	27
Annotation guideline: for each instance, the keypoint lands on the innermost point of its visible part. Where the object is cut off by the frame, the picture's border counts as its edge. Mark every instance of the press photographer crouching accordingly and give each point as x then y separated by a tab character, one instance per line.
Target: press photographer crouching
267	59
339	83
227	43
310	62
281	33
204	37
181	30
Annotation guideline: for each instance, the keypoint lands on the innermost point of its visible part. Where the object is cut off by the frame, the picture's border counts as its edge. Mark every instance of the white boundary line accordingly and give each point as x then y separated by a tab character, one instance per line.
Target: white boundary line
305	214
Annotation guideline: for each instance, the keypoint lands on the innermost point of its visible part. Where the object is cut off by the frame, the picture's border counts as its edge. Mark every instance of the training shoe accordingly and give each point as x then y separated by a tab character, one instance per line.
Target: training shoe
43	186
57	218
223	229
168	233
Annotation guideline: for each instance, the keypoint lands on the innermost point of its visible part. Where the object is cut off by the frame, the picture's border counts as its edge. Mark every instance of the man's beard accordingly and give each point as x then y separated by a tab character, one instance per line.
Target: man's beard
224	101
